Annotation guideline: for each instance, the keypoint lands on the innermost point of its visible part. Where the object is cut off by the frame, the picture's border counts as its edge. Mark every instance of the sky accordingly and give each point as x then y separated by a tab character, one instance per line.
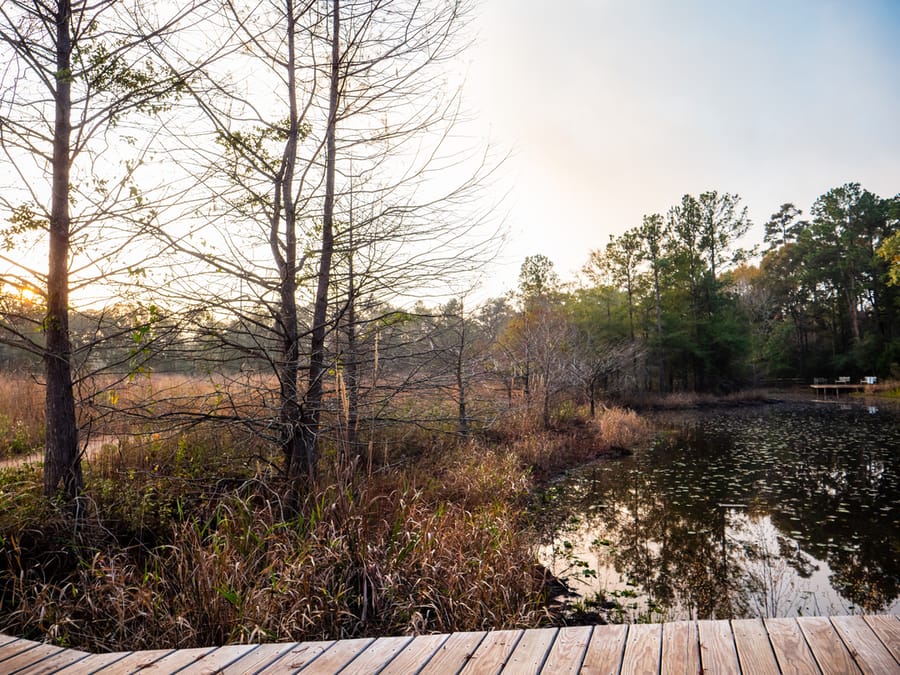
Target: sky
612	109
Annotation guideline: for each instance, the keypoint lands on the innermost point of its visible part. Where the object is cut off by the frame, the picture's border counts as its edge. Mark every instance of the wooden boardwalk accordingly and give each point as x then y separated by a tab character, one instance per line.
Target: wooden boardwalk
838	645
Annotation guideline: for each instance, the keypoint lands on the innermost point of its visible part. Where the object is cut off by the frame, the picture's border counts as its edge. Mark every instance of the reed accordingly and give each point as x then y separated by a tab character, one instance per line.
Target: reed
622	428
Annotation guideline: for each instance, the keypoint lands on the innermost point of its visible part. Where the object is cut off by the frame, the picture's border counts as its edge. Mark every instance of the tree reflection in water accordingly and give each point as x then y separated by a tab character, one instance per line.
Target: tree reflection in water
772	511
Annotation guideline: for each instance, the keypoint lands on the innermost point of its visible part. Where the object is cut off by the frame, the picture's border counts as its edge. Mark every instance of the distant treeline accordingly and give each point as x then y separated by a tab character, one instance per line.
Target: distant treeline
819	303
672	305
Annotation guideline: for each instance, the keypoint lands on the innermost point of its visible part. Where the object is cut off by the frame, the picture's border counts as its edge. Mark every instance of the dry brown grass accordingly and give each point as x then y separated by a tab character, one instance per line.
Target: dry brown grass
21	414
548	452
358	561
687	399
162	401
622	428
187	542
475	474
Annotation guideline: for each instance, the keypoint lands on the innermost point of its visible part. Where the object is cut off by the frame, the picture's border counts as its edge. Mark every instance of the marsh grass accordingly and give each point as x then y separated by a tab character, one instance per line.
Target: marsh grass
187	541
622	428
21	415
234	567
686	400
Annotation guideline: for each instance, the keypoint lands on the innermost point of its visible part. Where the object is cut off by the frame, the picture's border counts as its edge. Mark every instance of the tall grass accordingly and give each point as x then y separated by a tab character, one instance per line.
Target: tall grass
549	452
360	560
21	415
688	399
187	541
622	428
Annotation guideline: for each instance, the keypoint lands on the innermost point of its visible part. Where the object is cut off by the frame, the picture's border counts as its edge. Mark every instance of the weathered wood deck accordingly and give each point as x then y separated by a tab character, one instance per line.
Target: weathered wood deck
845	644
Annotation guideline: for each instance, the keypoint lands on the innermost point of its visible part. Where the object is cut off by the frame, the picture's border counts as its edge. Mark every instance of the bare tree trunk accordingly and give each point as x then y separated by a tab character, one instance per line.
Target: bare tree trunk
288	368
852	307
462	419
313	402
527	378
62	463
592	394
659	332
545	407
352	366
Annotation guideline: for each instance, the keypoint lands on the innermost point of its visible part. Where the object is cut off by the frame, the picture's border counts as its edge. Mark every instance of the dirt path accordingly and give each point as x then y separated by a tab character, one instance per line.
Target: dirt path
95	444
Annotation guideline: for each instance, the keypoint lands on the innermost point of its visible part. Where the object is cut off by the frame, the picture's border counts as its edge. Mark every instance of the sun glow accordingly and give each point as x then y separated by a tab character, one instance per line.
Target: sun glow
24	294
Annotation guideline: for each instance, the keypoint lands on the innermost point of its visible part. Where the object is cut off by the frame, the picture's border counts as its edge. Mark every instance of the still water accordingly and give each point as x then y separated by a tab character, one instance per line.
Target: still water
780	510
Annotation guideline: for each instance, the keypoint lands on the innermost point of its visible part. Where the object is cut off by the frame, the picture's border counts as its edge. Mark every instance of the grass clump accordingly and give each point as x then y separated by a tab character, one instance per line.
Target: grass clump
687	400
21	415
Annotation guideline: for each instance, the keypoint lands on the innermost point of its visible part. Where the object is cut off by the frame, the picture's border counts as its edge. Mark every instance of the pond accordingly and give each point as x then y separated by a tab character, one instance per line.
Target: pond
780	510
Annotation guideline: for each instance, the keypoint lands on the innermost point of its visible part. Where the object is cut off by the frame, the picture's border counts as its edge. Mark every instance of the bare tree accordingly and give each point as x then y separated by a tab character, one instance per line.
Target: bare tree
74	72
326	157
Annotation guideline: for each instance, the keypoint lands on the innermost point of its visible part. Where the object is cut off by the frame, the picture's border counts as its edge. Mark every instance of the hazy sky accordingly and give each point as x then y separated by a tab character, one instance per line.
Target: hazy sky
616	108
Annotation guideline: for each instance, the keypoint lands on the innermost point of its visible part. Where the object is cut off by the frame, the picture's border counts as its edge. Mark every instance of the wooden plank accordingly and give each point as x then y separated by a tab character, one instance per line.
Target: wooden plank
453	653
93	663
493	652
5	640
887	628
376	655
826	645
871	655
338	655
717	651
414	655
299	656
15	647
200	661
680	648
643	648
259	658
568	650
791	650
531	651
753	647
133	662
850	644
177	660
213	661
604	653
53	664
29	657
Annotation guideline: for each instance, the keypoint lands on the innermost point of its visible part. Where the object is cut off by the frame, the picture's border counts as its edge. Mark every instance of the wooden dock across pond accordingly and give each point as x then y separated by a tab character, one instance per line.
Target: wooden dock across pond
838	388
840	644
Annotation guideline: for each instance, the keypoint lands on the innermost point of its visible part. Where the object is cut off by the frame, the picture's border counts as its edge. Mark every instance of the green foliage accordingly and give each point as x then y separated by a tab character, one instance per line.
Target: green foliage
889	251
109	68
23	220
820	301
537	277
15	438
780	228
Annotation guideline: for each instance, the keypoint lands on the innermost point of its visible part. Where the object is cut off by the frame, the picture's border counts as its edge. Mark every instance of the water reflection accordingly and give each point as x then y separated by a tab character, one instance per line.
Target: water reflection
775	511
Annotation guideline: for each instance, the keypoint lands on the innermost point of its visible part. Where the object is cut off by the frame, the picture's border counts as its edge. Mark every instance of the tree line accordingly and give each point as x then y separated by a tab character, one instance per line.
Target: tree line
820	301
